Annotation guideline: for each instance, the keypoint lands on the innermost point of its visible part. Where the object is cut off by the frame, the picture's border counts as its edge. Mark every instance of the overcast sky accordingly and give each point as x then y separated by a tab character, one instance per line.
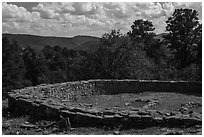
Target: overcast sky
95	19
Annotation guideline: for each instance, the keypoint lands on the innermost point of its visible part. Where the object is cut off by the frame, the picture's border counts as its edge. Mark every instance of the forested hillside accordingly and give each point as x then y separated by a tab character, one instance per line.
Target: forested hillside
38	42
138	54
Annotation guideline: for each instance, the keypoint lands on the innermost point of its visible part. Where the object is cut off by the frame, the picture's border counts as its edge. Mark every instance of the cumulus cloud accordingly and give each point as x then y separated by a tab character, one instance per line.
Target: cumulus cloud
17	14
168	8
193	5
151	10
45	12
66	18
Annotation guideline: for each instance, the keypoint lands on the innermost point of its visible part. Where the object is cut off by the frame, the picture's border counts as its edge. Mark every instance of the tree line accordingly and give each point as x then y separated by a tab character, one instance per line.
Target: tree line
138	54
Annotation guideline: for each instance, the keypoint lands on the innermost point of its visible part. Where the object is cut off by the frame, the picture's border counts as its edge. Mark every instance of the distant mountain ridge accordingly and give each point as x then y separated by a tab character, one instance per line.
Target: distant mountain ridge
80	42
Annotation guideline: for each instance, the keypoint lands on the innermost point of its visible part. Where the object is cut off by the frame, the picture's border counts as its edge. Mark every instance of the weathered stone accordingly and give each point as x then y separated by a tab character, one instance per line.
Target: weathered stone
167	114
193	131
24	96
39	130
198	126
160	112
54	129
26	122
38	101
65	100
123	113
108	112
140	112
172	118
174	133
99	117
158	119
116	132
118	116
134	109
147	101
108	117
88	105
146	118
28	126
135	117
69	113
93	111
163	129
46	132
190	120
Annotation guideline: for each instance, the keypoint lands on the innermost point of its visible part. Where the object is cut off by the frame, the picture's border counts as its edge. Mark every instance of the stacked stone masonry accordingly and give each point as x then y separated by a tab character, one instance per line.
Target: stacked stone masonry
52	100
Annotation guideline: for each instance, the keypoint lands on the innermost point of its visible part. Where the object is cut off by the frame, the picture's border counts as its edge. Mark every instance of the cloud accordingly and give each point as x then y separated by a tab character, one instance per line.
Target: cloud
66	18
151	10
17	14
168	8
45	12
192	5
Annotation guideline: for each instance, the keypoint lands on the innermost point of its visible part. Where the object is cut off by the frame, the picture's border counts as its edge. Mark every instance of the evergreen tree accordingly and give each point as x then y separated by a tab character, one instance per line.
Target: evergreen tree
29	57
13	68
185	34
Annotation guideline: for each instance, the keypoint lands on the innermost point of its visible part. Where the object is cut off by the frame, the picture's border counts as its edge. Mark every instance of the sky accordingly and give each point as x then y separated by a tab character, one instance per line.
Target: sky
85	18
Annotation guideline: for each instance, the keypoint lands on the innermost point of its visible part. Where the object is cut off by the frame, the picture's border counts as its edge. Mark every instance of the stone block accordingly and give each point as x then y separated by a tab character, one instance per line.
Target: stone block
108	112
117	116
146	118
141	112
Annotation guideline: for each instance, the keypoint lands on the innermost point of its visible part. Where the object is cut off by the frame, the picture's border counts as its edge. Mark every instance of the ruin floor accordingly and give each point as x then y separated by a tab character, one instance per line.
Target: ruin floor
161	101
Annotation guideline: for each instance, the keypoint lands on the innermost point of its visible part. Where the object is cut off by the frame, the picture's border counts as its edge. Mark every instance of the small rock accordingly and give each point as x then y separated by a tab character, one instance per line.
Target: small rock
147	101
28	126
184	108
163	129
117	115
126	104
172	113
45	132
6	125
71	129
174	133
155	101
199	133
143	112
54	129
167	114
17	133
38	130
193	131
138	100
116	132
199	130
88	105
198	126
190	103
26	122
159	112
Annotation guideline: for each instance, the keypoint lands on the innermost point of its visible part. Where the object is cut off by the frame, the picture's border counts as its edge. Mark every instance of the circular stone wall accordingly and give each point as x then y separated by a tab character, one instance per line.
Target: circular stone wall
53	100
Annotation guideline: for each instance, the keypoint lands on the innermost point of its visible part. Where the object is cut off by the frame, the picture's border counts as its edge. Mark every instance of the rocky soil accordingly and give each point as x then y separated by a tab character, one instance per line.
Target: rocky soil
25	125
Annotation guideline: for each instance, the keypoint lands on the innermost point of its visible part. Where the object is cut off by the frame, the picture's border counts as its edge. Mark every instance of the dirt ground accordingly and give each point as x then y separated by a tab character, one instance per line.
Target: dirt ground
160	101
15	125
